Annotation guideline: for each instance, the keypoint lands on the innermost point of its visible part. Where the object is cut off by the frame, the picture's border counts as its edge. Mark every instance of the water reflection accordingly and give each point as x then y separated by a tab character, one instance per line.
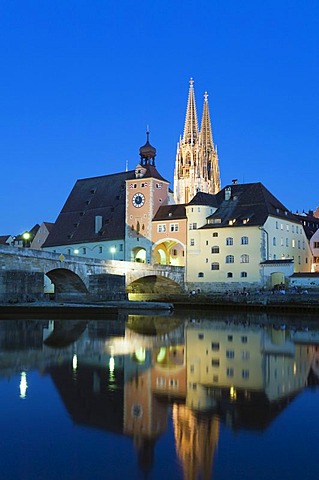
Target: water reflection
129	376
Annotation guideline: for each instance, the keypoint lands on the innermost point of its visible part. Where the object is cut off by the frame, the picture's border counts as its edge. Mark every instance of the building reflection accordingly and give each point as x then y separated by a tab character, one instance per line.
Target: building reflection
127	376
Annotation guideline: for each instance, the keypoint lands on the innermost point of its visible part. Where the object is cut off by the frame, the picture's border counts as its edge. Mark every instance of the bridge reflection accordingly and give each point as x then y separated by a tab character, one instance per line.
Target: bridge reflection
125	375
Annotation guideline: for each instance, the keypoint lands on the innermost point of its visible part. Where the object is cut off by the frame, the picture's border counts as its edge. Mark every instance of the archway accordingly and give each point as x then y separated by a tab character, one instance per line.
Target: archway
169	252
68	286
153	285
139	255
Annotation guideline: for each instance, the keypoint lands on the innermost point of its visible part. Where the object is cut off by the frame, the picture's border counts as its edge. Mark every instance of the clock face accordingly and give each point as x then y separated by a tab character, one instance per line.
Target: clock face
138	200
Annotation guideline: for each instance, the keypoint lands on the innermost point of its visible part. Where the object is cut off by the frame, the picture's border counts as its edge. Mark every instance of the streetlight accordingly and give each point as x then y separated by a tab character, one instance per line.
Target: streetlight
112	250
26	238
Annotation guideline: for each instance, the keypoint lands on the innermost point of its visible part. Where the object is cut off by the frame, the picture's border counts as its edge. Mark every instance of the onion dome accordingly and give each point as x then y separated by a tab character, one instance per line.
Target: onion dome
148	152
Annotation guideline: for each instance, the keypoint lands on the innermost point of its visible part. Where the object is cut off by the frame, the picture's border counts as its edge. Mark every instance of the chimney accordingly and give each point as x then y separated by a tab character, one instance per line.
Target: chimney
227	193
98	223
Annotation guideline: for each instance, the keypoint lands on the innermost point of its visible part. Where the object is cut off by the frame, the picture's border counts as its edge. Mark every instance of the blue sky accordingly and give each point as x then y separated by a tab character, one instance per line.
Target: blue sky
81	80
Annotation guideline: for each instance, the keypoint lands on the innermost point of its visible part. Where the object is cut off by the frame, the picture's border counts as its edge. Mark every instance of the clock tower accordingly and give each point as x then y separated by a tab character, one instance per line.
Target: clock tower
145	193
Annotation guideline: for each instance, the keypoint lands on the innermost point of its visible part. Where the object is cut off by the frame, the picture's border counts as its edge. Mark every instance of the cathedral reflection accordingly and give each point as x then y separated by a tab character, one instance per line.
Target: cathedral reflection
128	376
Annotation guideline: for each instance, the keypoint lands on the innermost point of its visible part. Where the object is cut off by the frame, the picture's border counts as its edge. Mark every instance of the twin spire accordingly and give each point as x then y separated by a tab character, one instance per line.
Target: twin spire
196	166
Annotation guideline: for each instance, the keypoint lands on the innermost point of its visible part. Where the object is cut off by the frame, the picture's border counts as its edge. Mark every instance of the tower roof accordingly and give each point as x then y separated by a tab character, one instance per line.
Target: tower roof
147	151
206	127
191	122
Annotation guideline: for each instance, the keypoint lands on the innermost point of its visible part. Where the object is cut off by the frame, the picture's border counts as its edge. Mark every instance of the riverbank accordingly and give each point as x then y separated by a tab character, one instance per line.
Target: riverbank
148	304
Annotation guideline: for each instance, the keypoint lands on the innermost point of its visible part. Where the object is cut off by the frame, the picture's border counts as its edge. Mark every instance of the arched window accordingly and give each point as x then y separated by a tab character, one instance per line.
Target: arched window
244	240
200	274
244	259
229	241
215	266
243	274
229	275
230	259
215	249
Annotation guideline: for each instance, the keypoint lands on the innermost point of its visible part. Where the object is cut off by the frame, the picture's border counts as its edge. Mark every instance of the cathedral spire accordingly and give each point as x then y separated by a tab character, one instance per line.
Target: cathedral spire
191	122
206	127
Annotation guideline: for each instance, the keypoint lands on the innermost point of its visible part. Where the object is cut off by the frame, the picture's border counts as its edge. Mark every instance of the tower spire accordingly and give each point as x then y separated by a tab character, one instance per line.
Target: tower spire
206	127
191	122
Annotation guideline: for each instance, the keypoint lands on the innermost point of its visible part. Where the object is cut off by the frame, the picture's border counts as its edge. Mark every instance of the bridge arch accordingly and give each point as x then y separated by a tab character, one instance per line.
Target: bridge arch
154	284
67	284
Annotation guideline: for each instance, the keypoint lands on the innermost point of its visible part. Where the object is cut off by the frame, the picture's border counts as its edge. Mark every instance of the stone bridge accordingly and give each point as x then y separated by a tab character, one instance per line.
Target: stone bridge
24	273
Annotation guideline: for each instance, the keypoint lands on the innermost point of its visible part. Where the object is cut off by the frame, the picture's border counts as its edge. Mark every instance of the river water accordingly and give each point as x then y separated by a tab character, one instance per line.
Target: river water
188	395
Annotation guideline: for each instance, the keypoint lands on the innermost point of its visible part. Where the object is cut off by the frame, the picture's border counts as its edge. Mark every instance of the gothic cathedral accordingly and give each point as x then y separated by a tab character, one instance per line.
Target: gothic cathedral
196	166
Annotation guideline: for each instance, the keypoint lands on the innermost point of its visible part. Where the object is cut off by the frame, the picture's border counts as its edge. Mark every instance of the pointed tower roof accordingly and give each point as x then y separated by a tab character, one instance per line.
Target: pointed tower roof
191	122
147	151
206	127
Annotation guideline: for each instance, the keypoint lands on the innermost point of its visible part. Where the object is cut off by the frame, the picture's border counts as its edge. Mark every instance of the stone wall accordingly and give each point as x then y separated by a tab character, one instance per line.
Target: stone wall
107	287
20	286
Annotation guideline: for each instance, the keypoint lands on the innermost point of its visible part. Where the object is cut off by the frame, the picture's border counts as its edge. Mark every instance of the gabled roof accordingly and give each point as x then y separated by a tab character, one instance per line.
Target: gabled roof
250	204
4	239
202	198
309	222
170	212
90	197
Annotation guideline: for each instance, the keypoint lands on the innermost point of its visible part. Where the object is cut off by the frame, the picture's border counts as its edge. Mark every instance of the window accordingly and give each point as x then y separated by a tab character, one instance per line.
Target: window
293	243
299	244
84	251
206	242
277	225
121	247
244	258
215	234
215	362
244	240
230	338
215	346
281	226
245	374
274	241
244	339
230	259
243	274
192	242
316	245
229	241
287	242
215	266
287	228
69	251
281	242
215	249
193	226
215	378
200	336
173	227
161	228
230	372
293	229
245	355
200	274
229	275
230	354
100	249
